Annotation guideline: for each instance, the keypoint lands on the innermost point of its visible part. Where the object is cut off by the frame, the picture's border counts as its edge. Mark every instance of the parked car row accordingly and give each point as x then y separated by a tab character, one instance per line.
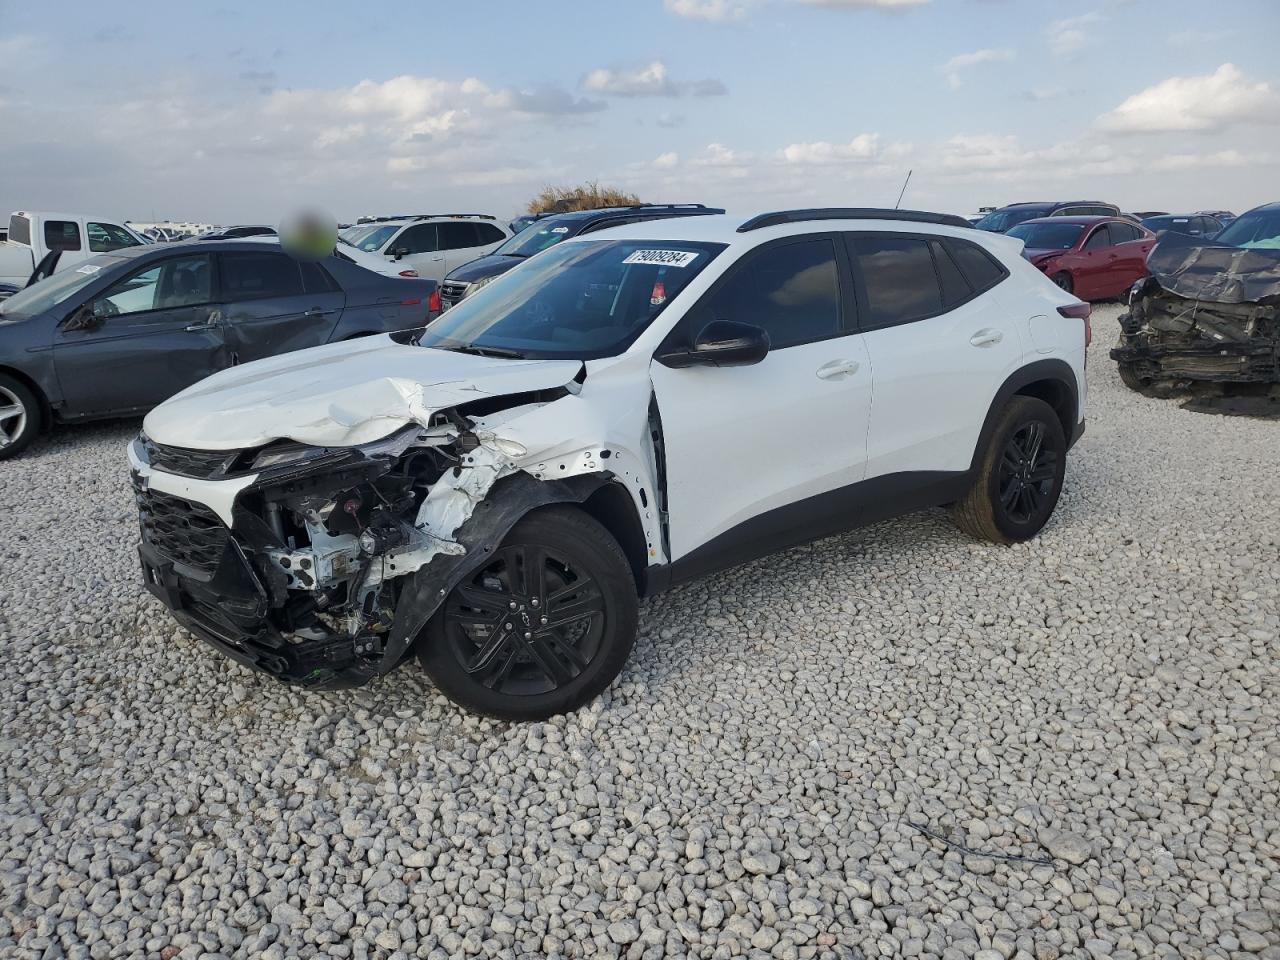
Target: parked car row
124	330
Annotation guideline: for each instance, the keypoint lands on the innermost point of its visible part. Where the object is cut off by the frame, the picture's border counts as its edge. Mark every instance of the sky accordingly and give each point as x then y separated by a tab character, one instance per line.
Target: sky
230	112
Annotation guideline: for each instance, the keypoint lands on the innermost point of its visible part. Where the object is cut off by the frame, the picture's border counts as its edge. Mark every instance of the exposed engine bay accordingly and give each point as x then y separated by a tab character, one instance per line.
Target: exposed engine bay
335	558
1207	315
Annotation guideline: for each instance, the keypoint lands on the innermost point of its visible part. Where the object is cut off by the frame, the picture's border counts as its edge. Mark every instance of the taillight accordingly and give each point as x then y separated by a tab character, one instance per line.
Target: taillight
1080	311
433	301
408	273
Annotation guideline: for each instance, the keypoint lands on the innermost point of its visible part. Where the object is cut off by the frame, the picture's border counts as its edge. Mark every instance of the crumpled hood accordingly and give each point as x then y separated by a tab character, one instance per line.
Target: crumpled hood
1039	255
1204	270
340	394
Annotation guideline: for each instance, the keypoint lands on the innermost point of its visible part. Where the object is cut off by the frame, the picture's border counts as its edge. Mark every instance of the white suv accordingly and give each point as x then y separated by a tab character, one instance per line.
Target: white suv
626	410
433	245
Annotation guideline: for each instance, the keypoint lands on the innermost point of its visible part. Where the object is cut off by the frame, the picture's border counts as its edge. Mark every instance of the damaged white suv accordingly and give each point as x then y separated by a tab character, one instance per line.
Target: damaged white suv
623	412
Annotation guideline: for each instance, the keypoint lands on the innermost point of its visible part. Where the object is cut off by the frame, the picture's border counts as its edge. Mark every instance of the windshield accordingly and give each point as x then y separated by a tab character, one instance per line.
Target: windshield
577	301
52	291
371	239
1176	224
1047	236
536	237
1257	229
1000	221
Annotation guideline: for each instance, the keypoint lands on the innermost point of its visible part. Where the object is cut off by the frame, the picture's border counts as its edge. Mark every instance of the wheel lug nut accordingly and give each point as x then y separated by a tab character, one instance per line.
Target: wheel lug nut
534	601
507	625
544	619
528	635
512	604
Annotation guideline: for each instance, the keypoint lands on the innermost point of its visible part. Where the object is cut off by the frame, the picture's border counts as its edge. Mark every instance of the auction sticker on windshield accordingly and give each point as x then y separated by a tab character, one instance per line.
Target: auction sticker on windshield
665	258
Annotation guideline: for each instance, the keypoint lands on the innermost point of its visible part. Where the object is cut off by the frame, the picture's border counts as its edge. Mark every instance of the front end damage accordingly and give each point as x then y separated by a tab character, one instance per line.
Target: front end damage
1206	315
320	565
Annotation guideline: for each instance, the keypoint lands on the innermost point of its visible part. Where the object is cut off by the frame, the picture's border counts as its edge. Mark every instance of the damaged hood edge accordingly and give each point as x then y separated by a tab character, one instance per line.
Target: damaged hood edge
1191	268
340	395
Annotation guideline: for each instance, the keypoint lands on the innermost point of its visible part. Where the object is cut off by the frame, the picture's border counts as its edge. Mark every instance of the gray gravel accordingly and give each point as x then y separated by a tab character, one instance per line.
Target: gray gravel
1089	721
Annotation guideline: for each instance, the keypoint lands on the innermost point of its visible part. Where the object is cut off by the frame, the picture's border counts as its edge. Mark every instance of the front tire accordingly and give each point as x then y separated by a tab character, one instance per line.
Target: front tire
1064	281
1131	379
19	416
1019	476
541	629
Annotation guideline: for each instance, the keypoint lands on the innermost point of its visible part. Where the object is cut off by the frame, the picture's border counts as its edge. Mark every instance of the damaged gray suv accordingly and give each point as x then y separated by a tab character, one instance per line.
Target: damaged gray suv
624	411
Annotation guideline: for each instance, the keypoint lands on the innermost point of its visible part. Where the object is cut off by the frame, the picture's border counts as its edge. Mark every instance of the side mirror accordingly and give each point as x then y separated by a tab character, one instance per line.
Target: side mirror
721	343
399	252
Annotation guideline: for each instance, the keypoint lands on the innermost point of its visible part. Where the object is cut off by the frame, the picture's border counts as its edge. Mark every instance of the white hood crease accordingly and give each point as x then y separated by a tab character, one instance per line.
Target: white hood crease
340	394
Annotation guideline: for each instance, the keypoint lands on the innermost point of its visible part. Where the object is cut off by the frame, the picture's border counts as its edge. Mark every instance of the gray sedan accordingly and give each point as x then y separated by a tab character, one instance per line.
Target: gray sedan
119	333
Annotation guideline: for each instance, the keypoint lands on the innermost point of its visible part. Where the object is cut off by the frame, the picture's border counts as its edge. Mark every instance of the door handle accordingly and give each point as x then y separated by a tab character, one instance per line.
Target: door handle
986	338
837	369
317	312
210	322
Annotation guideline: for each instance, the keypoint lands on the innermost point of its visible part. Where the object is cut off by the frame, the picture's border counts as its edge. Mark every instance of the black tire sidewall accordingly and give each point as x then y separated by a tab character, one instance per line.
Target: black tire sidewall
1020	412
1069	286
587	543
32	406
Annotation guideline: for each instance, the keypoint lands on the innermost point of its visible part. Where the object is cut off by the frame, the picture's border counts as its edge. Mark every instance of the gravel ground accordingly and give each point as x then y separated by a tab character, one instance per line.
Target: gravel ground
894	743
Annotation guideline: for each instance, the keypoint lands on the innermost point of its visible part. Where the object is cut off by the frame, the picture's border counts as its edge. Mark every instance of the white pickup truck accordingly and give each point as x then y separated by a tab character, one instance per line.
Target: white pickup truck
33	235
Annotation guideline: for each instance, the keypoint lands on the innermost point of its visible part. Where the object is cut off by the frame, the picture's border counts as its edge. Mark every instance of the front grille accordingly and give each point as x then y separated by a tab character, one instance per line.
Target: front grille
180	530
451	291
200	464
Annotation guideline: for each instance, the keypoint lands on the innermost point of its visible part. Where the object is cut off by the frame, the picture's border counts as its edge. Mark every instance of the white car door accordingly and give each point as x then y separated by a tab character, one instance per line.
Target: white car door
751	450
941	344
418	247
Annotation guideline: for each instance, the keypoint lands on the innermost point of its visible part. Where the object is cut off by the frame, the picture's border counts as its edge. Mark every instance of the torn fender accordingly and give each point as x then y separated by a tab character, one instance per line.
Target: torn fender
509	499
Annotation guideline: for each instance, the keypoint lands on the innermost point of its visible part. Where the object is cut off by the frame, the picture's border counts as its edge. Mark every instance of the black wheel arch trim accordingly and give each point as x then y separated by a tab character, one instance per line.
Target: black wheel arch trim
508	500
1051	370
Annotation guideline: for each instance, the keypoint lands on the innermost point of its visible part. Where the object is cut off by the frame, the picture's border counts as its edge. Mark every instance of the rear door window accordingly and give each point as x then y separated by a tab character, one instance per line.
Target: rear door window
1098	239
955	289
259	276
316	279
898	279
1123	232
62	235
457	236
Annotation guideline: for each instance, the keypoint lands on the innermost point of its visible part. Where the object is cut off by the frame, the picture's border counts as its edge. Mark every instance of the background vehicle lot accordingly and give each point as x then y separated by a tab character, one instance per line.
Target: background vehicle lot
756	769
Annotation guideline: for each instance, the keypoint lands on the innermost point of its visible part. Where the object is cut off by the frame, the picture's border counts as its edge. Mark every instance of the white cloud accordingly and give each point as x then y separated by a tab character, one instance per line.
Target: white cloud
718	155
995	157
650	80
667	161
1068	36
863	147
710	11
1203	103
1198	161
952	68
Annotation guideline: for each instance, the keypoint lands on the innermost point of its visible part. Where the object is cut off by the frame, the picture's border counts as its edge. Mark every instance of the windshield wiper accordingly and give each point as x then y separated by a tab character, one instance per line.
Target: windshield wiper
480	351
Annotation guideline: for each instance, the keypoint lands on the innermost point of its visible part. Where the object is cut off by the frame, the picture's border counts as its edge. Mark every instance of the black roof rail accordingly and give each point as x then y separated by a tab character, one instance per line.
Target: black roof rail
852	213
666	206
434	216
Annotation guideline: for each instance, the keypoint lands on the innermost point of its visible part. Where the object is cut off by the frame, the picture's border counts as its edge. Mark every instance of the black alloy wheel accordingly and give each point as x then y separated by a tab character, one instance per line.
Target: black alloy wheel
1028	468
542	627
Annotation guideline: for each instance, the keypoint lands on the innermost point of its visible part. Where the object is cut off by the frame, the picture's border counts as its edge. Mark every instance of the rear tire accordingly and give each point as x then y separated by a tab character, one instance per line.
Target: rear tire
1019	475
1064	281
19	416
541	629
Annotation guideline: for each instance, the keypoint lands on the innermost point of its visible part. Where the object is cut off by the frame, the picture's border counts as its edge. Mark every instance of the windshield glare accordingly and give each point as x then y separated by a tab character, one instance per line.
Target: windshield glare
1047	236
54	290
577	301
535	238
372	239
1258	229
1000	221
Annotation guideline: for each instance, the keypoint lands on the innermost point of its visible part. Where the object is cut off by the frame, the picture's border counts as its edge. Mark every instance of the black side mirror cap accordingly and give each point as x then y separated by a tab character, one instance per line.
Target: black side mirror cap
83	319
721	343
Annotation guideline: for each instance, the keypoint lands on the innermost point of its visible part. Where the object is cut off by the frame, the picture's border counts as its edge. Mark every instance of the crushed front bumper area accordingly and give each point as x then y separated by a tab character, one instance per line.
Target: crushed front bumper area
1206	315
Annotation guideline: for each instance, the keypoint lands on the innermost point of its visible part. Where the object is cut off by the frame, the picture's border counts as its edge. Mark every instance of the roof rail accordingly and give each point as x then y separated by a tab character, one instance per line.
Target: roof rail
851	213
665	206
434	216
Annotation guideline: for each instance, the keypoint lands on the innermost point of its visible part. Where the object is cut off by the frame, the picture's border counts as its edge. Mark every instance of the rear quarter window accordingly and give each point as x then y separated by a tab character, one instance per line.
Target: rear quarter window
20	229
980	268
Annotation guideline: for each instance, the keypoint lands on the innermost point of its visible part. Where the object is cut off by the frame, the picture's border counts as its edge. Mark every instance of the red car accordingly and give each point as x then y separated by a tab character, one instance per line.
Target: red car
1095	258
